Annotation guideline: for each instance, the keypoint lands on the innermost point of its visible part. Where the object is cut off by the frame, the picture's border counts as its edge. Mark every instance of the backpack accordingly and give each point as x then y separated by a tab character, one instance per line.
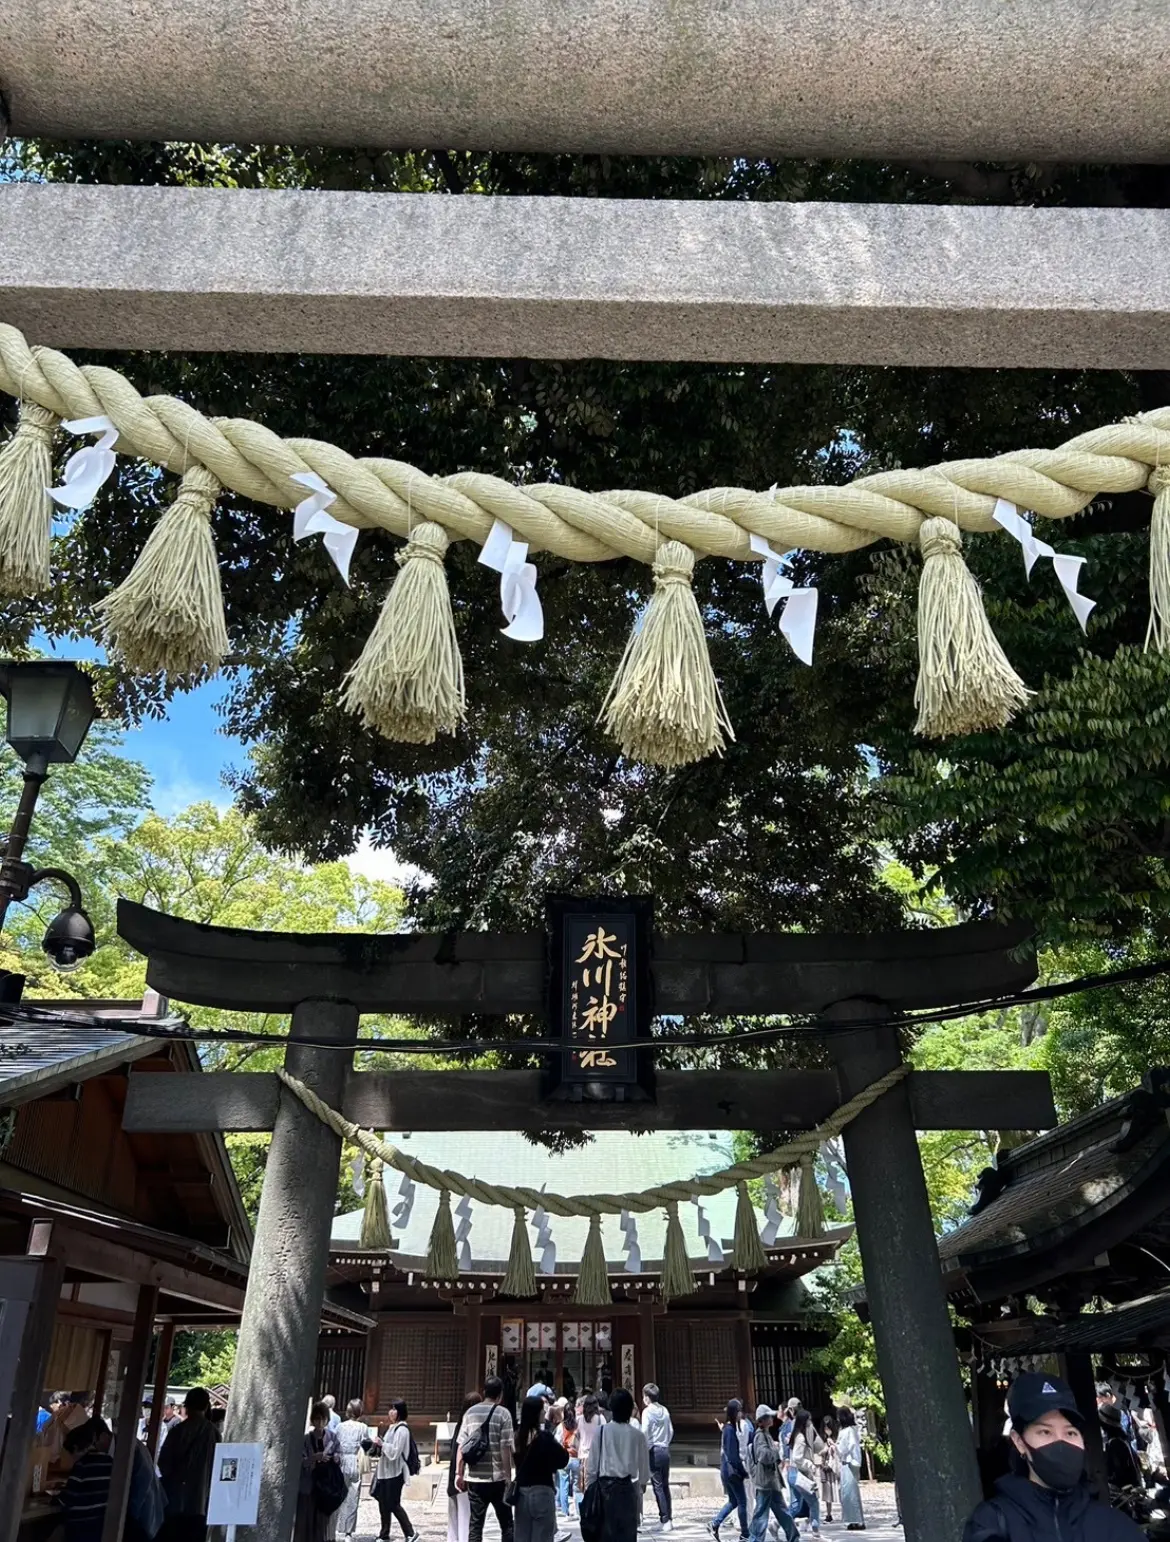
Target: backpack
479	1446
329	1488
413	1465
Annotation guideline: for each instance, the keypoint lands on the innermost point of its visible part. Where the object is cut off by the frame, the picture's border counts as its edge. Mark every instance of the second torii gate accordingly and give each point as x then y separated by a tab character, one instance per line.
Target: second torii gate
327	981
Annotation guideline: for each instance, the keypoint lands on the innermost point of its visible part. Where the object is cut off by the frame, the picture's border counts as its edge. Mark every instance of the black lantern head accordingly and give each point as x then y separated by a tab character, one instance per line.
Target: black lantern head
50	709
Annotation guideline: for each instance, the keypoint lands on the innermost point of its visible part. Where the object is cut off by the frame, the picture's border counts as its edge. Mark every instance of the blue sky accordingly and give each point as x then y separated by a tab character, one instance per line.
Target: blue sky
186	752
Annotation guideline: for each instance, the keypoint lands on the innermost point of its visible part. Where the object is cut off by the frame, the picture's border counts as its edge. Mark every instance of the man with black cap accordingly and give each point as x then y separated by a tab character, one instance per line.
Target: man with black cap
1048	1499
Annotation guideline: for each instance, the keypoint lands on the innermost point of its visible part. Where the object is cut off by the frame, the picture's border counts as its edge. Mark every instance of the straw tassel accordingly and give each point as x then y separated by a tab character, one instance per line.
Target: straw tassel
965	682
677	1279
749	1255
26	510
520	1279
408	682
664	706
593	1279
442	1259
167	616
376	1213
1158	631
810	1212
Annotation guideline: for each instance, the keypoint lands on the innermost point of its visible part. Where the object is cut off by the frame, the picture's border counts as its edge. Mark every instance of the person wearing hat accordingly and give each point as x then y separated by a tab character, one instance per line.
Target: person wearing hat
1047	1499
1121	1465
768	1477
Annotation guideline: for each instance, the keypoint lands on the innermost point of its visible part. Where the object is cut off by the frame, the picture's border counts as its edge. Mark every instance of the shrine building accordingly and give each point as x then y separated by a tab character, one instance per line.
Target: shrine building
434	1341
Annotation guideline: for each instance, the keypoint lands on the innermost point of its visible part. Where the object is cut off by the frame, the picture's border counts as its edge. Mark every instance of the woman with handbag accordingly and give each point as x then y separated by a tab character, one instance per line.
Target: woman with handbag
393	1448
318	1488
353	1441
539	1458
618	1470
830	1469
807	1454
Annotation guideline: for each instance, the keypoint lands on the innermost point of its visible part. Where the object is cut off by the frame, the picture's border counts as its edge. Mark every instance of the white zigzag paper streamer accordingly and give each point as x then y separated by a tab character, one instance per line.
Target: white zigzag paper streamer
773	1215
402	1210
714	1251
631	1244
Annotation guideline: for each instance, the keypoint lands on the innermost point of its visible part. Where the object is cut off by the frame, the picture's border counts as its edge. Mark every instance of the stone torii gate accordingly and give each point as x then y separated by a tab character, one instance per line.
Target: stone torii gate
326	982
190	268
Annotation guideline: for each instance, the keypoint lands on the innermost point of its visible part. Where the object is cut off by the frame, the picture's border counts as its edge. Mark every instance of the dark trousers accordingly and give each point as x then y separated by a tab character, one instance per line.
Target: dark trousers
390	1504
736	1500
481	1495
184	1528
771	1502
659	1480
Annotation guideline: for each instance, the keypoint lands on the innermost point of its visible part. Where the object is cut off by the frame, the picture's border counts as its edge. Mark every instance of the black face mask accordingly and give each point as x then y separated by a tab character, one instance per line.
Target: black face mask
1059	1466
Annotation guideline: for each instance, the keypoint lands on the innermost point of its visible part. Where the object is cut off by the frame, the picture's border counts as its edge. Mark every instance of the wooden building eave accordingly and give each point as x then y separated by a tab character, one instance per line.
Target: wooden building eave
207	1283
1075	1210
401	1275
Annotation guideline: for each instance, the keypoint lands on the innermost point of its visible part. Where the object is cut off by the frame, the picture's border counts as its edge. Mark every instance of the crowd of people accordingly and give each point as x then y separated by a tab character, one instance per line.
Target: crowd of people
536	1471
597	1458
168	1488
781	1467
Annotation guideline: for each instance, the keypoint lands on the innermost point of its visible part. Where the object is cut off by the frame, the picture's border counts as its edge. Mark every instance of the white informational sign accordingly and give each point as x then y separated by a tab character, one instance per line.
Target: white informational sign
235	1486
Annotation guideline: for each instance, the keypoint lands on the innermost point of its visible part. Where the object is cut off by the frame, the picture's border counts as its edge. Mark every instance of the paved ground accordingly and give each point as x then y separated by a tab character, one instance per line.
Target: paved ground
430	1520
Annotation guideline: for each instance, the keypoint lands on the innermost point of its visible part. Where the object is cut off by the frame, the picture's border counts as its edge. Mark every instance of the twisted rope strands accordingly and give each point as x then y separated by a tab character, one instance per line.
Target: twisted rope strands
590	527
804	1145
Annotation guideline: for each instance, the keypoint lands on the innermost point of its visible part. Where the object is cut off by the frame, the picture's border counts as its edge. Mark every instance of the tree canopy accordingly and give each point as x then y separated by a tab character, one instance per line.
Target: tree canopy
1060	818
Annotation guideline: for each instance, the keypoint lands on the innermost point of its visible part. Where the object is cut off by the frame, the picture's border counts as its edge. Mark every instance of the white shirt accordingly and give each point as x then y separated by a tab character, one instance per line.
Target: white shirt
623	1455
848	1446
395	1446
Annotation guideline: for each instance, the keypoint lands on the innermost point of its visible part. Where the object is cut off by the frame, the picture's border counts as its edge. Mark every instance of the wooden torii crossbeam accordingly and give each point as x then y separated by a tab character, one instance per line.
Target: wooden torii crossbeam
326	982
460	972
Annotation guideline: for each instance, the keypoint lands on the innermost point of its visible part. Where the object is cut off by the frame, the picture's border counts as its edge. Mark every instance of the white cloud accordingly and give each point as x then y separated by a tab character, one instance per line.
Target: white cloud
171	794
381	865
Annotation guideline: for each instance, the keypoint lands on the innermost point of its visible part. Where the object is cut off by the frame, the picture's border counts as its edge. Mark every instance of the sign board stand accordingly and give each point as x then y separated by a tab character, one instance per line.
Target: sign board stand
234	1499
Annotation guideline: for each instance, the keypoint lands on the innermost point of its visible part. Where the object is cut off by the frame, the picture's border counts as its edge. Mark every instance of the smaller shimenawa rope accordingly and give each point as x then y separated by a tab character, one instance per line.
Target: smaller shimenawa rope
806	1144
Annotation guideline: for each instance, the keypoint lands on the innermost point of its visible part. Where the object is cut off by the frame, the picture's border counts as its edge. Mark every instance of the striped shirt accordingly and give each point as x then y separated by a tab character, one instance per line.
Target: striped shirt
87	1494
499	1427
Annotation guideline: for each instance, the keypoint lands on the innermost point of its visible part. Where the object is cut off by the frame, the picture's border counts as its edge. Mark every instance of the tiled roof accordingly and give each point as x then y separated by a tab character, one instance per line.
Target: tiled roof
1140	1325
1062	1180
1046	1199
616	1161
36	1057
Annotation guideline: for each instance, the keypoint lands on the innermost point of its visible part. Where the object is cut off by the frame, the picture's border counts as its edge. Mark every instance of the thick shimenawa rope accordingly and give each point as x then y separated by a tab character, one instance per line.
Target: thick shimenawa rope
664	707
390	495
808	1143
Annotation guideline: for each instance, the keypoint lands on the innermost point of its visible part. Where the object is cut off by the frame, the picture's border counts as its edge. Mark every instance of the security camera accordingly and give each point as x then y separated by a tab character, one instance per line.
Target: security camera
69	940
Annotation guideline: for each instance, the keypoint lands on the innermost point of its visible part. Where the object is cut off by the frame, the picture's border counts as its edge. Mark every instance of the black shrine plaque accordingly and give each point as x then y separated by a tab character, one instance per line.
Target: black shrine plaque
599	997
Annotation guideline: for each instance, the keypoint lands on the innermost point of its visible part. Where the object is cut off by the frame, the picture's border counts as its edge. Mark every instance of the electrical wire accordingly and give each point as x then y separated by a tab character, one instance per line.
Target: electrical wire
174	1028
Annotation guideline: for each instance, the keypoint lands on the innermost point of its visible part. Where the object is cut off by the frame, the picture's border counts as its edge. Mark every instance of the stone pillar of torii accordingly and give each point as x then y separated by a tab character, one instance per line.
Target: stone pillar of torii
326	982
